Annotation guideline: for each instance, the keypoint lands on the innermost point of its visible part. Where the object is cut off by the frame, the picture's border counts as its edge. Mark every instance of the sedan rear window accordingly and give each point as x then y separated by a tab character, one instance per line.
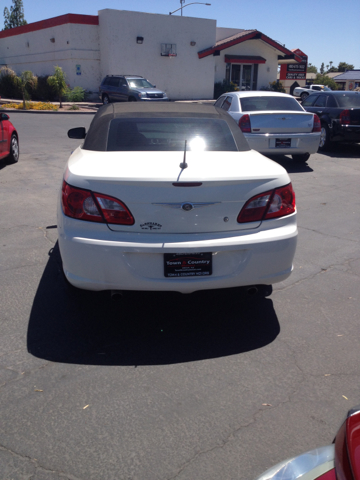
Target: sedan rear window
348	101
169	134
258	104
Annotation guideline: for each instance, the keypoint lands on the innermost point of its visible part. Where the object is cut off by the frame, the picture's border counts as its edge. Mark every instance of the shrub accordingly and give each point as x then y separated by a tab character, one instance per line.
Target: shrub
223	87
277	86
9	85
77	94
43	90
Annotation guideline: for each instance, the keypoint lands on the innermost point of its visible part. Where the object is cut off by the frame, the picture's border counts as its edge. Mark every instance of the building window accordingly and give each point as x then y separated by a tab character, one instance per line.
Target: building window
245	76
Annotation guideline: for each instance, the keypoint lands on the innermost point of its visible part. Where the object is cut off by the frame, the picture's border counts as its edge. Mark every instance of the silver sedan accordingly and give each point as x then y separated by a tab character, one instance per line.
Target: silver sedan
273	123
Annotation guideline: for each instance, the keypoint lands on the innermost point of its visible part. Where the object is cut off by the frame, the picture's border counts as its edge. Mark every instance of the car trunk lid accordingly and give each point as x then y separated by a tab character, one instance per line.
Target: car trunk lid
207	196
281	122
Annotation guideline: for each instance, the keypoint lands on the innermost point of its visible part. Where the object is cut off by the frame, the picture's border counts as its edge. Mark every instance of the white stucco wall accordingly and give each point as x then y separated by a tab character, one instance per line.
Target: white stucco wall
267	72
184	77
74	45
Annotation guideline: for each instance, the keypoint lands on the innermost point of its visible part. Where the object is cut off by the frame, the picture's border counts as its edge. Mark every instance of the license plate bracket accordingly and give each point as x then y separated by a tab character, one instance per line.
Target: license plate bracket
187	264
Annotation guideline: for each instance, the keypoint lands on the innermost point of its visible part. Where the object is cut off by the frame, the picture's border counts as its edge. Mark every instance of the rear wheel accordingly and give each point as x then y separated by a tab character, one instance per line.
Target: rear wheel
301	157
14	149
105	99
324	137
303	96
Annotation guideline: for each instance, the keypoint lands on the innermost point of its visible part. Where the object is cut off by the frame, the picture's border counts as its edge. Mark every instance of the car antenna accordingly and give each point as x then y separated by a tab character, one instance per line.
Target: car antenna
183	164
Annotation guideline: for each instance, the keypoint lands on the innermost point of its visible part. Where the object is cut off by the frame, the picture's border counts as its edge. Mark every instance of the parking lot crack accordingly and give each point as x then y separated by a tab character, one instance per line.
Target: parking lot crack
37	467
329	235
230	437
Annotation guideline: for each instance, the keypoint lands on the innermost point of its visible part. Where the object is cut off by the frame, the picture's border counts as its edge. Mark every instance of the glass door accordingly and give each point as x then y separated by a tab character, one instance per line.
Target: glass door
246	77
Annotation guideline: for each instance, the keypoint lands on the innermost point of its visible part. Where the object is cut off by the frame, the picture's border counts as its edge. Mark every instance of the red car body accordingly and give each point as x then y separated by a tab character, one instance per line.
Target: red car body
9	139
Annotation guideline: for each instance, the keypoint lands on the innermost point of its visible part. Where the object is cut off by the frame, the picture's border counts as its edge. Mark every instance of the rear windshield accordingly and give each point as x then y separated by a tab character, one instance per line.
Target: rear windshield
170	134
349	101
258	104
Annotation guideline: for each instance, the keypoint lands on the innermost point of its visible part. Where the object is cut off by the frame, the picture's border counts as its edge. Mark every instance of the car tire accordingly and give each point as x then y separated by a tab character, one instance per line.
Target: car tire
14	150
105	99
301	157
324	138
304	96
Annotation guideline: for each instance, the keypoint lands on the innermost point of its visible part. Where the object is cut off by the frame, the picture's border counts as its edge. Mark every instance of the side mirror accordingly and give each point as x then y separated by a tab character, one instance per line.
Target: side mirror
4	116
78	132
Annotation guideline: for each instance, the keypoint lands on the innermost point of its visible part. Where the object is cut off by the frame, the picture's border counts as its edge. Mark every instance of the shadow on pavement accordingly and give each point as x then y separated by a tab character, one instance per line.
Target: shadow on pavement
143	328
290	165
342	150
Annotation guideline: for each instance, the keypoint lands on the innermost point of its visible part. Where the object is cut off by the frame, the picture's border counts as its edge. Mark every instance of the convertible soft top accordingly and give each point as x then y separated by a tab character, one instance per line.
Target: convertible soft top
97	136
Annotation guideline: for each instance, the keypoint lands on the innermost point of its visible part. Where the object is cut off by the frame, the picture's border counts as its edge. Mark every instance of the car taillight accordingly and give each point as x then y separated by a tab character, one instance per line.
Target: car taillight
94	207
342	463
245	124
272	204
317	124
345	117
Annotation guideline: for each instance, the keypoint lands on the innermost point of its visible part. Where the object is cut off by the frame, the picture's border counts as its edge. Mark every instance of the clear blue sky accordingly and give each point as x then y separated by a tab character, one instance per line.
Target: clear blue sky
324	30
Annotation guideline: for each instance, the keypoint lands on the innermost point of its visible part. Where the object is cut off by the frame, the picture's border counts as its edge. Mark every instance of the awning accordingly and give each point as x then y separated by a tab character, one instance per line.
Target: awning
244	59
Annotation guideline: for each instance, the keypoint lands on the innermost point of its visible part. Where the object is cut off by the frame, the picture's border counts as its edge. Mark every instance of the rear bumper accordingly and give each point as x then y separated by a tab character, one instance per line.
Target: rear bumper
94	258
347	133
300	143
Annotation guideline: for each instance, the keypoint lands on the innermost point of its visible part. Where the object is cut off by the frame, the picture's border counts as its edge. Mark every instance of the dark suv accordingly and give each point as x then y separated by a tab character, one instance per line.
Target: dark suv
129	88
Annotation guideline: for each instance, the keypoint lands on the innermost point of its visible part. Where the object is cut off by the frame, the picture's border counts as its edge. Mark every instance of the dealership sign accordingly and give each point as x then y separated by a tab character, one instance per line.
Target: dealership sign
295	71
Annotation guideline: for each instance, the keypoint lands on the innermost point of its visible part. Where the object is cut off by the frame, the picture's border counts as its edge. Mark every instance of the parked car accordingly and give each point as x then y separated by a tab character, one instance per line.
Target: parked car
340	460
9	140
339	114
170	197
304	92
273	123
129	88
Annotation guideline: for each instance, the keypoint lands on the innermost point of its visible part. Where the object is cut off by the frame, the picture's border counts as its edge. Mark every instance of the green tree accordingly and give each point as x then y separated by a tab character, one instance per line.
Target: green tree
25	80
322	68
343	66
312	69
58	83
15	17
325	80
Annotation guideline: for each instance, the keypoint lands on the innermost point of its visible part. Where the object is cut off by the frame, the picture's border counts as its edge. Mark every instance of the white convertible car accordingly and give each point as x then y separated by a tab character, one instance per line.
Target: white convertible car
170	197
273	123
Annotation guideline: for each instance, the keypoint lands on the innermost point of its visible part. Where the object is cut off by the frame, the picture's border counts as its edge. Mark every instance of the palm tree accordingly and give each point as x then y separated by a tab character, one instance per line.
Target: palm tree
57	82
25	80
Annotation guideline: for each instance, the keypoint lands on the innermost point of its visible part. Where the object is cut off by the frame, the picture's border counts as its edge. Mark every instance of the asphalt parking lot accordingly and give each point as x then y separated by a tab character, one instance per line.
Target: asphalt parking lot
163	386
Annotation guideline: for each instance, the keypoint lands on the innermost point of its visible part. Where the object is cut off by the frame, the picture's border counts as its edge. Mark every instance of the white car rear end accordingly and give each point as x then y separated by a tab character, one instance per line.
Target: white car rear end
141	220
273	123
